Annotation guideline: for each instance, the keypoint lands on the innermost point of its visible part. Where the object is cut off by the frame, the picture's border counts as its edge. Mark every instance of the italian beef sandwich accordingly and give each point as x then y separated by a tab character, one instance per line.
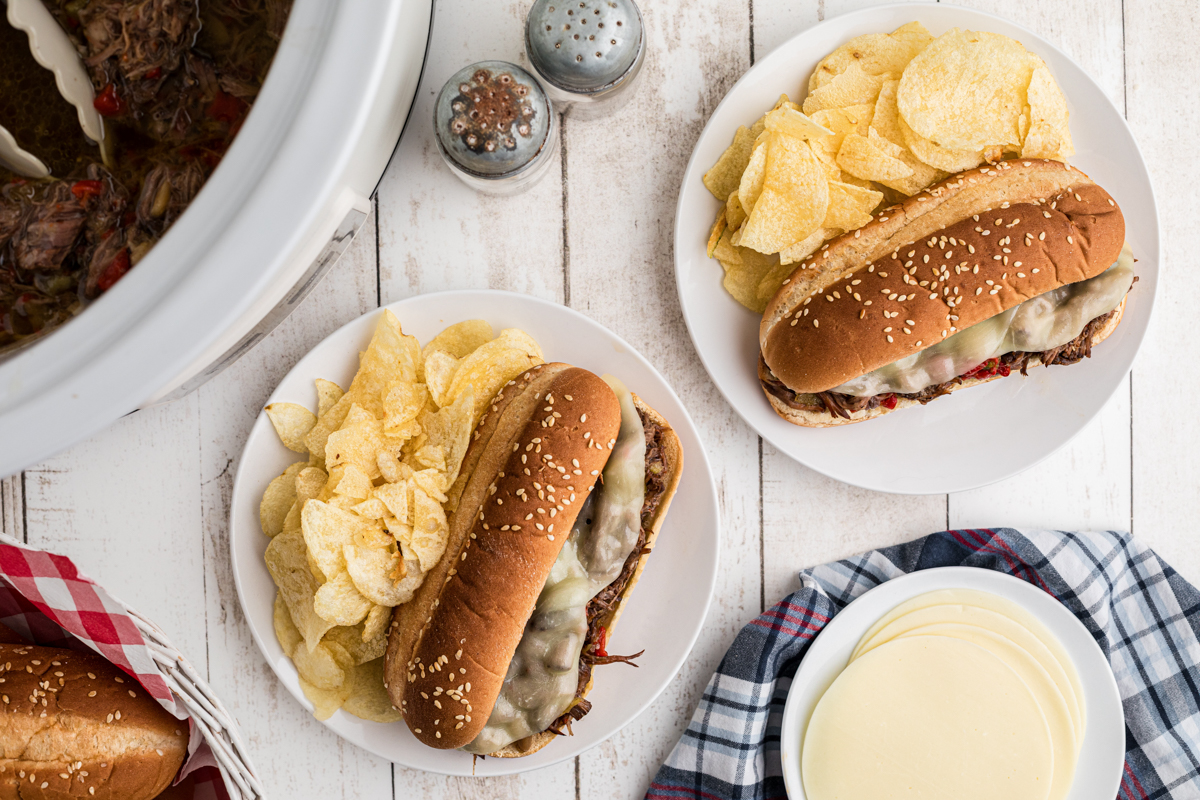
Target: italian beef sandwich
569	479
992	271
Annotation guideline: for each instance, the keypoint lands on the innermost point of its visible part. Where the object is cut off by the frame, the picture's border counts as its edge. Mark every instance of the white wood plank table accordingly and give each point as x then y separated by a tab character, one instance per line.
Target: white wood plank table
143	505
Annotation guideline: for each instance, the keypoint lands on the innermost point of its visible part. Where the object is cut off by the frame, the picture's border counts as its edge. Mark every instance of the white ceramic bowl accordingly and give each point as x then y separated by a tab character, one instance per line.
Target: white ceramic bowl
973	437
1102	753
665	610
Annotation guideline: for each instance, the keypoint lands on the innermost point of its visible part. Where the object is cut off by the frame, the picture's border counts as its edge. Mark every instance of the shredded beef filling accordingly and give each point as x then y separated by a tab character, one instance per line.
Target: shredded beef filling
843	405
600	609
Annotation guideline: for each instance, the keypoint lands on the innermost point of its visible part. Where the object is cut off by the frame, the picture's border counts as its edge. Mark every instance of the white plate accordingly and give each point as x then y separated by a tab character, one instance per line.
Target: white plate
667	607
1102	754
940	447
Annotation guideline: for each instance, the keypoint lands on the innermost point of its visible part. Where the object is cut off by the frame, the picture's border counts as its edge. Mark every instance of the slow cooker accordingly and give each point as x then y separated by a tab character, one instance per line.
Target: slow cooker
283	204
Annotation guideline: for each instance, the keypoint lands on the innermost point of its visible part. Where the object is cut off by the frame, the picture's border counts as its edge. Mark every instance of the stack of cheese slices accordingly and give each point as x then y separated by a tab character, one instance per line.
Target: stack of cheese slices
953	694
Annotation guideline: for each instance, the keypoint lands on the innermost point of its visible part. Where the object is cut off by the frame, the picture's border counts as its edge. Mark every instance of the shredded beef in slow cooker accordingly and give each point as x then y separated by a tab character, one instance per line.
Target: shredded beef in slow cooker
174	81
843	405
600	609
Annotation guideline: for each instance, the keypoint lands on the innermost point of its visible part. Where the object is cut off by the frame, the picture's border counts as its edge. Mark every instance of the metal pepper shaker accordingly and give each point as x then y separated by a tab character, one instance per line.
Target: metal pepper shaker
495	127
588	53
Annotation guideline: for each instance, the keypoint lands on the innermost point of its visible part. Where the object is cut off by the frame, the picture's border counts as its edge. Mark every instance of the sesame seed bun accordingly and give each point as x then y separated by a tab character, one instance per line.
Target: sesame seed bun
958	253
74	725
450	646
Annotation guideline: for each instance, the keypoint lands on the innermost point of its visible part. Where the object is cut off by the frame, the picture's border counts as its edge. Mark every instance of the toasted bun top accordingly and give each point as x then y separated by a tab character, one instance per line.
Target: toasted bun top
546	437
958	253
82	727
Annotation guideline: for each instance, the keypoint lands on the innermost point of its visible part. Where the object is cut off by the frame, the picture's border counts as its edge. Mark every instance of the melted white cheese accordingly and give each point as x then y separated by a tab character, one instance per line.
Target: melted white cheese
544	672
1041	323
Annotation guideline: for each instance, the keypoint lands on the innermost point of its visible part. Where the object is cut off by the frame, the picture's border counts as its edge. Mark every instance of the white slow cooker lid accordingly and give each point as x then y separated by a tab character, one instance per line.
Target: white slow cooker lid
323	98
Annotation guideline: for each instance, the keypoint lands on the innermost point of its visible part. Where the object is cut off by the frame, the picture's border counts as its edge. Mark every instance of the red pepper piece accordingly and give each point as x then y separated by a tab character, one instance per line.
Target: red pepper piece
85	190
114	271
888	401
602	642
154	74
108	102
225	107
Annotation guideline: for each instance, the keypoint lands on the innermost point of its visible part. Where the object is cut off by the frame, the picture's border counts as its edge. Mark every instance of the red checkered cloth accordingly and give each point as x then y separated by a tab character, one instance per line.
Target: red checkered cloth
48	601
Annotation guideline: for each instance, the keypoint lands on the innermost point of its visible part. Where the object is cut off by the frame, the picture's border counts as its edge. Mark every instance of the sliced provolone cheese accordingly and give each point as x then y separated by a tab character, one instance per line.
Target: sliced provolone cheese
1028	632
930	717
1039	683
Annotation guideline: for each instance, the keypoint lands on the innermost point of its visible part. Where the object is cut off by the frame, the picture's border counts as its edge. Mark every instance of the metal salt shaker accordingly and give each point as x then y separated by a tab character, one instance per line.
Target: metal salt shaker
587	52
495	127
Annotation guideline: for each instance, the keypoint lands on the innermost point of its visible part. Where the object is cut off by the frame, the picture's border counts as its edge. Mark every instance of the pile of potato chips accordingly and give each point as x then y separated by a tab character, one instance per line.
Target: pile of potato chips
357	526
887	114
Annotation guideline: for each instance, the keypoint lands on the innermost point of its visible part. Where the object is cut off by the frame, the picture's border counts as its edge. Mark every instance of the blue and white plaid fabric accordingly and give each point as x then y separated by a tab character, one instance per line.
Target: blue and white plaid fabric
1145	617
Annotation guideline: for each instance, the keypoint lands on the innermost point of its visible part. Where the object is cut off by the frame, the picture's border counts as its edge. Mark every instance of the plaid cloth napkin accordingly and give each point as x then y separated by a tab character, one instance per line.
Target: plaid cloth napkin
47	601
1145	617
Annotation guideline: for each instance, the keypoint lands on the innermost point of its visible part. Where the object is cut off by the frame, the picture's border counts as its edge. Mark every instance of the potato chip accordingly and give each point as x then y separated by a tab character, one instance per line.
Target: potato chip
349	649
872	159
1048	134
287	561
517	339
965	91
461	339
852	87
368	697
804	248
440	368
850	206
735	215
718	227
874	53
327	423
391	356
794	198
725	175
325	702
395	497
339	602
430	530
357	442
790	121
842	121
751	184
377	572
487	370
389	466
742	278
292	424
886	124
351	481
327	529
401	405
371	509
374	630
328	393
278	499
939	157
285	630
319	667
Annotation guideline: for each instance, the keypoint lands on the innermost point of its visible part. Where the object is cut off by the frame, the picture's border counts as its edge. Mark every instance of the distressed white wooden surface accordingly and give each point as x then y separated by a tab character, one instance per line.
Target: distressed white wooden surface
143	505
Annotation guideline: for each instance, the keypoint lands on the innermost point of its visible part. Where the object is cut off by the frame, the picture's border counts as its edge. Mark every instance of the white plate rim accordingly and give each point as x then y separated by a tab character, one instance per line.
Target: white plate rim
831	648
697	469
759	421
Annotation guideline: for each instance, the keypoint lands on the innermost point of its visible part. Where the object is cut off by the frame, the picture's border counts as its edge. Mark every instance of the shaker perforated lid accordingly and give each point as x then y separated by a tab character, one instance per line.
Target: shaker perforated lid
584	46
492	119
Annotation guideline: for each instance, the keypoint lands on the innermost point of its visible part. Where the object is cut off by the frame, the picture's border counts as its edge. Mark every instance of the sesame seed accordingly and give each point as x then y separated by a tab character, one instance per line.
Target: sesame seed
889	338
816	324
1070	240
979	291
